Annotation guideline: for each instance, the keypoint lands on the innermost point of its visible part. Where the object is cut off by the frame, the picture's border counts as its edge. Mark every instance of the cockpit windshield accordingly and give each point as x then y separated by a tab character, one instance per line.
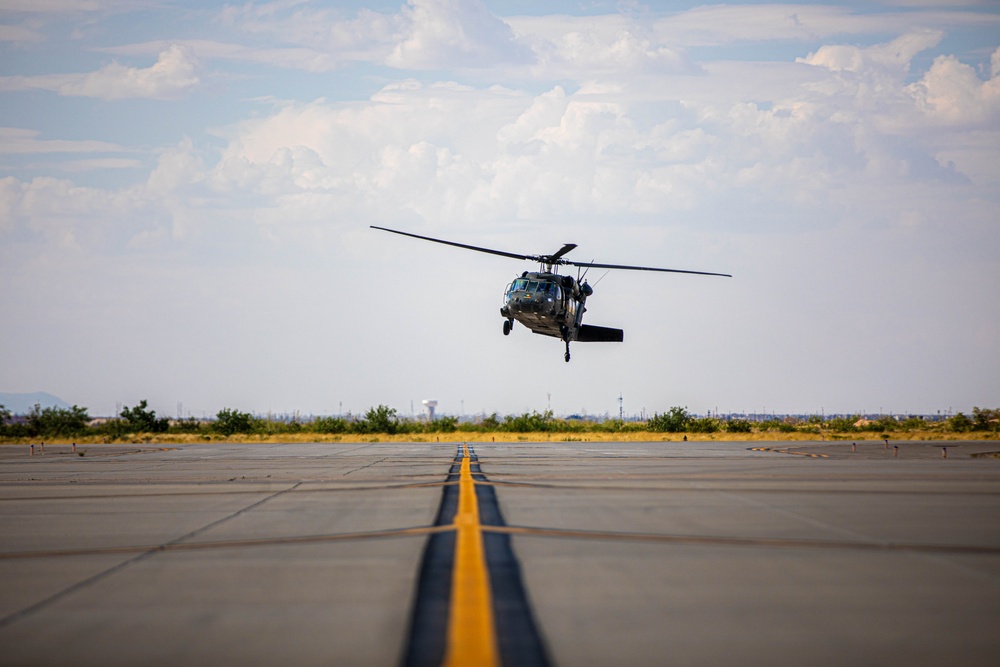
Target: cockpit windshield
534	286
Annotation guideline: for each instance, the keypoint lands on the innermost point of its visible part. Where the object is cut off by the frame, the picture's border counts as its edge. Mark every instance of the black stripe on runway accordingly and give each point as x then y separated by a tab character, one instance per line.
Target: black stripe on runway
519	639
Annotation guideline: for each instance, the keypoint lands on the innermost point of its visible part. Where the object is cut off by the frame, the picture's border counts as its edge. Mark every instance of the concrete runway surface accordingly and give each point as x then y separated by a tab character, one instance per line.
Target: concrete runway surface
570	553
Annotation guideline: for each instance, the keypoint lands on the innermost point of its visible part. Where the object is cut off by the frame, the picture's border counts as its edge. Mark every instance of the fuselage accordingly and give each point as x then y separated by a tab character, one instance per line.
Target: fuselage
547	303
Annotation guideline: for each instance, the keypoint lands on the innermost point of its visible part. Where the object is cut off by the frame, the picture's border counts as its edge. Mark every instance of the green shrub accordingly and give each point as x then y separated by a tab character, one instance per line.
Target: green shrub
738	426
329	425
986	419
703	425
444	425
381	419
842	424
526	423
56	422
959	422
228	422
141	420
674	420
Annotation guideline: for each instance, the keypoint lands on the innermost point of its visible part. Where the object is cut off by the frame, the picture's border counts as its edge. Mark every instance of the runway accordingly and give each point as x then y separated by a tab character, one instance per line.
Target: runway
569	553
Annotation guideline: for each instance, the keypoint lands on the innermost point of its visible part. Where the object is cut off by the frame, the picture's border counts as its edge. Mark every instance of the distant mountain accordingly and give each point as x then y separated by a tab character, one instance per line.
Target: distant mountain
21	404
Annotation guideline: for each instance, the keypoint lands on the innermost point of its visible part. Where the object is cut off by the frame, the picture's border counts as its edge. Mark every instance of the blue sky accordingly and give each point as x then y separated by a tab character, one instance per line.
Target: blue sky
186	191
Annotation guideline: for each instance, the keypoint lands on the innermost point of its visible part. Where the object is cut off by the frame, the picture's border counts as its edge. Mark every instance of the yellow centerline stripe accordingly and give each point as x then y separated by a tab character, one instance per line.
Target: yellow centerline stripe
471	629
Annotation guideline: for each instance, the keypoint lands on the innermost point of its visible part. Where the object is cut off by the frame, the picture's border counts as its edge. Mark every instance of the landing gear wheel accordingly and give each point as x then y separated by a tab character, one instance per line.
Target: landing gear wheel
567	357
567	352
507	326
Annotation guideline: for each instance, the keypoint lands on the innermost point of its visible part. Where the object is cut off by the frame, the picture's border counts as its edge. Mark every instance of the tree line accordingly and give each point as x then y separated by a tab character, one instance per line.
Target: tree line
56	422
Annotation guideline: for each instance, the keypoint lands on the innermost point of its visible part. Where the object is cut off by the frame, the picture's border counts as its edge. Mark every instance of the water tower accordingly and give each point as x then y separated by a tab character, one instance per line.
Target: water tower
430	404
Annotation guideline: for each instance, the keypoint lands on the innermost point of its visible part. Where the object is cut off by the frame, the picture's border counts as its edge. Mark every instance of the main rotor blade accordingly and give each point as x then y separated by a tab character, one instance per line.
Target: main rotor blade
643	268
562	251
458	245
547	259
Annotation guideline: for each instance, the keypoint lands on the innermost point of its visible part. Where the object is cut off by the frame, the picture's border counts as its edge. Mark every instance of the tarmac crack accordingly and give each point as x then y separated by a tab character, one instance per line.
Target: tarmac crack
14	617
767	542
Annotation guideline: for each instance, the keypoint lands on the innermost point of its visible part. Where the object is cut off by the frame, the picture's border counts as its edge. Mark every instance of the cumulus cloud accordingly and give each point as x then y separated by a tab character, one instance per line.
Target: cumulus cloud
952	93
305	36
895	55
828	123
870	86
454	33
175	73
424	34
591	53
595	152
60	211
448	34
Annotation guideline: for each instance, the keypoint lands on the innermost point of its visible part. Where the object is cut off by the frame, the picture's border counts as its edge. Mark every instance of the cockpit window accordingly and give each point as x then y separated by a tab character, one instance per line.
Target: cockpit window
537	286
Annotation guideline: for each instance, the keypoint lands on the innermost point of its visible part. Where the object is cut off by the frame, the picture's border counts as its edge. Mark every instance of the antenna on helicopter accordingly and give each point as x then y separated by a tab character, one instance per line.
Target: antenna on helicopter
601	278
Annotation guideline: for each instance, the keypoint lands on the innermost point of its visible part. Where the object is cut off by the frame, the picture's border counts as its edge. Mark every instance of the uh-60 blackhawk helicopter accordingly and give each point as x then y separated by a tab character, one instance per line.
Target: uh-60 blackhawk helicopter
548	303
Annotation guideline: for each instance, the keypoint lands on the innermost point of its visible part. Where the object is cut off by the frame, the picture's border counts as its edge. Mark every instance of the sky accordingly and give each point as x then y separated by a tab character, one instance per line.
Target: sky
186	191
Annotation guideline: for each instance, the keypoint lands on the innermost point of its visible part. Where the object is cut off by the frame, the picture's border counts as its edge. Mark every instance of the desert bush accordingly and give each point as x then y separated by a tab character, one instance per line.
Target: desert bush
228	422
985	419
56	422
330	425
674	420
738	426
782	426
141	420
842	424
703	425
381	419
444	425
959	422
526	423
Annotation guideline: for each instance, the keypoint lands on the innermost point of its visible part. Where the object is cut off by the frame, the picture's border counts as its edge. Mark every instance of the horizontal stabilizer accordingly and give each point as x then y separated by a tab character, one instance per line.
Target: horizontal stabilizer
592	334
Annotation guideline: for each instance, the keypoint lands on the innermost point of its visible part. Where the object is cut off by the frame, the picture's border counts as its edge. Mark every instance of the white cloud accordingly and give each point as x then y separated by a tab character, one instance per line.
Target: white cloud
725	24
60	211
424	34
951	93
174	74
454	33
21	141
99	163
435	34
870	86
602	152
367	36
894	56
594	53
303	58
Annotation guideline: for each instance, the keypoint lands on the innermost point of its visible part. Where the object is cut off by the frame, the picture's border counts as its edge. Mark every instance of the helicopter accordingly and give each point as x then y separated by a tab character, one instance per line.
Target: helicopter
548	303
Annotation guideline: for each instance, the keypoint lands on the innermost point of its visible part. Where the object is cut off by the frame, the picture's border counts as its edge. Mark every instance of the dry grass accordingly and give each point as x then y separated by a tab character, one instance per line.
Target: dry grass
501	436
